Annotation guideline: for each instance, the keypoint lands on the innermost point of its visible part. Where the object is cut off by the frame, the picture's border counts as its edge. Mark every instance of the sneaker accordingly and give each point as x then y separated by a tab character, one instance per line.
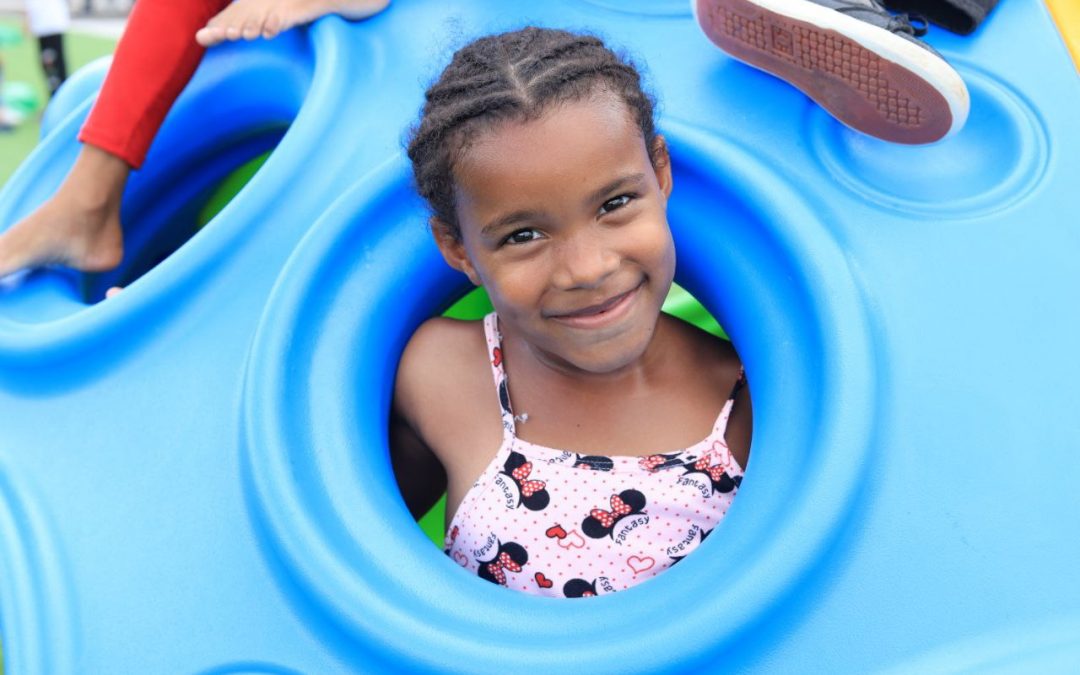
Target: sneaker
865	66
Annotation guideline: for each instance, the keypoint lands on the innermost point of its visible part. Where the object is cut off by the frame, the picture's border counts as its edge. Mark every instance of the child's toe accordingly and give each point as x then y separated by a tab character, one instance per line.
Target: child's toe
252	29
273	25
208	37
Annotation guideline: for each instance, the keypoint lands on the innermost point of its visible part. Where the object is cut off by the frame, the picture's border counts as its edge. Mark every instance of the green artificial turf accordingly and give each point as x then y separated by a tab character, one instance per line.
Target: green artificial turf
21	65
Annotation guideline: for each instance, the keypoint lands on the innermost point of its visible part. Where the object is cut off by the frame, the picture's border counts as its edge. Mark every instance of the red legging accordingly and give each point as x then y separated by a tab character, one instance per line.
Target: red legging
154	61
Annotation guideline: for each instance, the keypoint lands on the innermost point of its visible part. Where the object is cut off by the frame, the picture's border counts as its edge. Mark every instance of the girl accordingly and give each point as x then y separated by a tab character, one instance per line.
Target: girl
588	441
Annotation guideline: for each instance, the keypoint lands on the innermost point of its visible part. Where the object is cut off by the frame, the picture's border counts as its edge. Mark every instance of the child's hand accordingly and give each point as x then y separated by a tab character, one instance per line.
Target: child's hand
113	291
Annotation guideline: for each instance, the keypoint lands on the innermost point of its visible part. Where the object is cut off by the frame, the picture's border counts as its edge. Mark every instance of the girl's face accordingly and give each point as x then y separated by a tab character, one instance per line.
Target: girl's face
563	220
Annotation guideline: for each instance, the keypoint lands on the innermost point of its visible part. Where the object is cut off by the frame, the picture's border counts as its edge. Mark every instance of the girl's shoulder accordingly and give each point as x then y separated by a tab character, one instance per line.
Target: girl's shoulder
444	376
711	356
716	366
442	350
445	393
441	334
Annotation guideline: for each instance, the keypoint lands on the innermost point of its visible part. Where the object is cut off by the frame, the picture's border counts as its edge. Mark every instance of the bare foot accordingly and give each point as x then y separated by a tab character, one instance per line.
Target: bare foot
250	19
79	226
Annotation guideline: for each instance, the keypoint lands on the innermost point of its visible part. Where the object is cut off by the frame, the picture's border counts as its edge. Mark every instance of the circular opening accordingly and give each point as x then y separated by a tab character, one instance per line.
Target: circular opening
322	493
253	101
996	159
163	221
184	171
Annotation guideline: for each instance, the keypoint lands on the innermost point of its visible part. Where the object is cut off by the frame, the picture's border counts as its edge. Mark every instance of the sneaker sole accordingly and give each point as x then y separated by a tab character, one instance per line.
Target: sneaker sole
868	78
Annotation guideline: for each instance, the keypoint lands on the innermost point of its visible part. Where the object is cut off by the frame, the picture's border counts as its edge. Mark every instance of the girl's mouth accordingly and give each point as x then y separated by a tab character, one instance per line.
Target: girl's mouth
601	314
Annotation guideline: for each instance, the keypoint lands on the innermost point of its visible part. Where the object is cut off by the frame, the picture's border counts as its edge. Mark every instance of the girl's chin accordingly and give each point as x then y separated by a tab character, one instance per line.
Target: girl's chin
606	358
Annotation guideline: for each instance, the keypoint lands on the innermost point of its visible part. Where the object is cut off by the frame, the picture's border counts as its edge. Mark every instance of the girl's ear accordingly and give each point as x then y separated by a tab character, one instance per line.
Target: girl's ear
453	249
661	161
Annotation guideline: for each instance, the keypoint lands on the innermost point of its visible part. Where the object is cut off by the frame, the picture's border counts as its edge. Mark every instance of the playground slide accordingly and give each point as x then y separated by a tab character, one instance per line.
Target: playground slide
194	477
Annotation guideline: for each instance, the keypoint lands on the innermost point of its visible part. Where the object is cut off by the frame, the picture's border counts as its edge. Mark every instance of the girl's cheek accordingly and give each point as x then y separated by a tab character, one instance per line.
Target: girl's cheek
659	245
517	284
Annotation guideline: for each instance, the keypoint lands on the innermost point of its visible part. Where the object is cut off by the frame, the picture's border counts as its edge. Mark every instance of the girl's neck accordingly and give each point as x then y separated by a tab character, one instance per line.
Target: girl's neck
529	363
665	400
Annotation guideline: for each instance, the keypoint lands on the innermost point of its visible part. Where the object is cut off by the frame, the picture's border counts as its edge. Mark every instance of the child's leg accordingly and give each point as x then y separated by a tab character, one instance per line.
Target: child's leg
53	64
154	61
49	20
249	19
80	225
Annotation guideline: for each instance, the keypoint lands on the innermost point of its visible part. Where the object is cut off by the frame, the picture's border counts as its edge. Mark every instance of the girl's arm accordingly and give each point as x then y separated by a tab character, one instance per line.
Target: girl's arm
441	377
420	476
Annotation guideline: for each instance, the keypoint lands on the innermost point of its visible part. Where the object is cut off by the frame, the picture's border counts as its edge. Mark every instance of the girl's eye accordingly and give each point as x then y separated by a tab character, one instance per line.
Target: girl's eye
523	236
615	203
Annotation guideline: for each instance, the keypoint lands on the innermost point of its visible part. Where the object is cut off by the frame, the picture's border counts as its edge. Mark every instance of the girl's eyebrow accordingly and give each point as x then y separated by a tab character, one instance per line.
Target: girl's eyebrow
526	215
511	218
623	181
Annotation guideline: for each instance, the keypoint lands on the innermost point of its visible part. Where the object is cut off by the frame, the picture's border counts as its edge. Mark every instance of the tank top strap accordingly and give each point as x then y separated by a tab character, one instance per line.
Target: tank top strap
498	373
739	384
720	428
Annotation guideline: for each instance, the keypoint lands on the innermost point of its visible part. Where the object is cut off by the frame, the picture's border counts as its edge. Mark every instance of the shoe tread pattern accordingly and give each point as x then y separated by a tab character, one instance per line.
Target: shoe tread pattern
858	86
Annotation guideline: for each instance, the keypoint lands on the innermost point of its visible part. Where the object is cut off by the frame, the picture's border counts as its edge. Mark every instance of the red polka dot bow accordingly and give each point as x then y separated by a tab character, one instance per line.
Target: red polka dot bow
715	471
607	518
528	487
651	462
503	562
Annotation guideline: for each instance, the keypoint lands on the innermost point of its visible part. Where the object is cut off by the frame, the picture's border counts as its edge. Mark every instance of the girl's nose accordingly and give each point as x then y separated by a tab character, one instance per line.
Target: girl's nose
584	262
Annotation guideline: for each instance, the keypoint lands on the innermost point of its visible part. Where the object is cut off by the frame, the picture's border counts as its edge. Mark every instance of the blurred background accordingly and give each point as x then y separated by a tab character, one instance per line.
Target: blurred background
95	27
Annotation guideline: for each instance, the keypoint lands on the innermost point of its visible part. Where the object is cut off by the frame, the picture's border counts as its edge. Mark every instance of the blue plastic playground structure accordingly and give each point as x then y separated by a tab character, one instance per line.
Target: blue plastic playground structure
194	475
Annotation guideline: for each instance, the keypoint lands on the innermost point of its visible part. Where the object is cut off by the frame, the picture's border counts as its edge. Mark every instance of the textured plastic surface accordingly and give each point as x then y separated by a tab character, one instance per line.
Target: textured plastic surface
194	476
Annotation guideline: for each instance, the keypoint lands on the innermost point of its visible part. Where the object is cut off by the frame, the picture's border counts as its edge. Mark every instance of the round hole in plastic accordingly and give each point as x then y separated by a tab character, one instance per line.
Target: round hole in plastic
964	177
45	318
322	495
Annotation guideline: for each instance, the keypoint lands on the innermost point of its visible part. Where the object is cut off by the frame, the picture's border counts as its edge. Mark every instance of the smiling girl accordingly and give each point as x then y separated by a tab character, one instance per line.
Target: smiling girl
586	441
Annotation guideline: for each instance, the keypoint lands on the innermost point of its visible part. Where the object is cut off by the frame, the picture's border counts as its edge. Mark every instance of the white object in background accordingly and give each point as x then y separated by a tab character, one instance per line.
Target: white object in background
48	17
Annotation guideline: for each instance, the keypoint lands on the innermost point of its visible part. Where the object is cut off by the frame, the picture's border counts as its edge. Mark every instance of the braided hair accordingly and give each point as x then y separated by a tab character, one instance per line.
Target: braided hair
516	75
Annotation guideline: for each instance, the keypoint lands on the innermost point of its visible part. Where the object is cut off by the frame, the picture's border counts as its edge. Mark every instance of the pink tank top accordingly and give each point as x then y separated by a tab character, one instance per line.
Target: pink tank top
556	523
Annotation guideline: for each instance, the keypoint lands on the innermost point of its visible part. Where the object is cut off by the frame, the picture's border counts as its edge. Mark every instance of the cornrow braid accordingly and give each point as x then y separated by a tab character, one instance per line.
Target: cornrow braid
514	75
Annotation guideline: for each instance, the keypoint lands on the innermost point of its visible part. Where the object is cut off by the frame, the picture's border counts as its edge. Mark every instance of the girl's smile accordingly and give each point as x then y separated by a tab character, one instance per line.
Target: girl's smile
573	246
600	314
